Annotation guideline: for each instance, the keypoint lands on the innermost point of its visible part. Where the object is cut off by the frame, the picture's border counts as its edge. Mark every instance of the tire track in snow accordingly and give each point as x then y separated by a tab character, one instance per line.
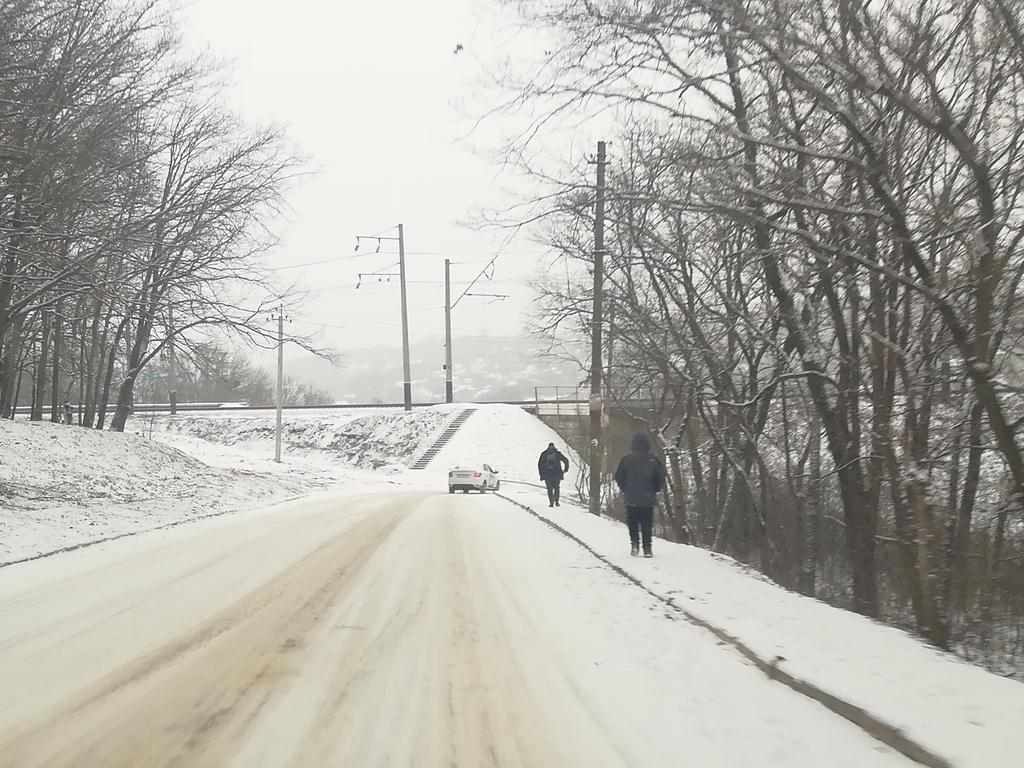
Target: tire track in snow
189	702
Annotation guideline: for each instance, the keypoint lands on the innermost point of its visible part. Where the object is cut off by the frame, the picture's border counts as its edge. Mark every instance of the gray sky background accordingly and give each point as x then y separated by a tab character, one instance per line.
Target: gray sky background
374	95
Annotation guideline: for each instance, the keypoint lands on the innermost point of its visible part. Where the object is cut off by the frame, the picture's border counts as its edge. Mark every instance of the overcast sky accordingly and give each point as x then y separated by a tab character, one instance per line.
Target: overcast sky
373	93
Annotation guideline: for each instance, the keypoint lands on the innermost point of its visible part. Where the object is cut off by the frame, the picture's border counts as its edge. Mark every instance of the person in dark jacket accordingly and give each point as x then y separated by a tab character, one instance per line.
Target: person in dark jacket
640	476
552	466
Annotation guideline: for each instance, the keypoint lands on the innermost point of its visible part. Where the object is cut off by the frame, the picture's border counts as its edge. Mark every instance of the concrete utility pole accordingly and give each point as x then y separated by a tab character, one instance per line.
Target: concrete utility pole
449	387
279	389
406	369
596	402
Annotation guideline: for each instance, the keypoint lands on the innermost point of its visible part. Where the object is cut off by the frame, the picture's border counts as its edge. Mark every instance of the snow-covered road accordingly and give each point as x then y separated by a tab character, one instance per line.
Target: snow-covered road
388	630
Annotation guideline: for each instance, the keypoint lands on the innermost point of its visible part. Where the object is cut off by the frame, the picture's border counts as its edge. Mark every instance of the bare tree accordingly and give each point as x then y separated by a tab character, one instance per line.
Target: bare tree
817	232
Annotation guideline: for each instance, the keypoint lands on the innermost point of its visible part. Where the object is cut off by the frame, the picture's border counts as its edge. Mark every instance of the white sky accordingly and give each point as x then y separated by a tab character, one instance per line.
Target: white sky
374	95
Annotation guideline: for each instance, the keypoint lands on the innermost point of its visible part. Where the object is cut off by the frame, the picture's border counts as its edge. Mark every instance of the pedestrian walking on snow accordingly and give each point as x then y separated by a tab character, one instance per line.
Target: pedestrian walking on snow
640	476
552	466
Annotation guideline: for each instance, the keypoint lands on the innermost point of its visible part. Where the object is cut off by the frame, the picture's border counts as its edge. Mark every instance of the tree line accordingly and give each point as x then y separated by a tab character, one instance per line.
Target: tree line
814	271
212	372
133	206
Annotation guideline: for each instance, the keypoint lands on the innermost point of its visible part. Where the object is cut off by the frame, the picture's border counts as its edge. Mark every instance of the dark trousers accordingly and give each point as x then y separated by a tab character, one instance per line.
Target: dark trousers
641	523
552	484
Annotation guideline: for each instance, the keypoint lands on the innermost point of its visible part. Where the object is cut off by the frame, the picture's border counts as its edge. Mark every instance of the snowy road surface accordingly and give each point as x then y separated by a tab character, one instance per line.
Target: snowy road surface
386	630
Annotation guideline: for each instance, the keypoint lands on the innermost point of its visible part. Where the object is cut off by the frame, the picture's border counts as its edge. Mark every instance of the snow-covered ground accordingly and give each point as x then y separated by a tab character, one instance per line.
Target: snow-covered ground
406	629
959	712
365	438
956	710
63	486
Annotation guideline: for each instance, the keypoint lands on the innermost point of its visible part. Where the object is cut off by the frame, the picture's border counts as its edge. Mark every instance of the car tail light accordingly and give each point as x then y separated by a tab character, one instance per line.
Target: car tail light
476	474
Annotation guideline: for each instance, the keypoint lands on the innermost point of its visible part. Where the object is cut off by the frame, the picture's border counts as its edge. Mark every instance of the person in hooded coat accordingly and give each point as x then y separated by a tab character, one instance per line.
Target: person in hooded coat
640	476
552	466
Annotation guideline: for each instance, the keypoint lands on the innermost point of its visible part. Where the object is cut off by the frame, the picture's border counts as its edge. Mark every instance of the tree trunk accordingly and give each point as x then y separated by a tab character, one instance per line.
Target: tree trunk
98	359
931	615
92	360
679	497
124	403
965	512
17	391
81	365
992	583
39	386
58	351
125	392
813	512
952	521
109	373
697	471
860	516
11	368
8	273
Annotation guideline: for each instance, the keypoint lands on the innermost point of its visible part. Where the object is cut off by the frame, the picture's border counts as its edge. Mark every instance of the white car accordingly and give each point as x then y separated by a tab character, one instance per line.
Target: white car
483	478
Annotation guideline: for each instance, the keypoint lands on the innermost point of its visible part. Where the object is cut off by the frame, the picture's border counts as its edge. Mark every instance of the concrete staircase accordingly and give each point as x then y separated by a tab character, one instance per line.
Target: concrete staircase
424	461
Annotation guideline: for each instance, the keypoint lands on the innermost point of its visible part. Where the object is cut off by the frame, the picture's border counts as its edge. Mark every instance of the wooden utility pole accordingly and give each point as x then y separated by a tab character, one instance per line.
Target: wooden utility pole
596	401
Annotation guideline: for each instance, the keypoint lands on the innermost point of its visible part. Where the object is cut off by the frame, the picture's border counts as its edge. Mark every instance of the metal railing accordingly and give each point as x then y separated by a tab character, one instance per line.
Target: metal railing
544	406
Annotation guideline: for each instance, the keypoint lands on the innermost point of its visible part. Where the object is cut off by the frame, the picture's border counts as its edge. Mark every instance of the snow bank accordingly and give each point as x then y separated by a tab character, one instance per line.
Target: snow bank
958	711
62	485
370	440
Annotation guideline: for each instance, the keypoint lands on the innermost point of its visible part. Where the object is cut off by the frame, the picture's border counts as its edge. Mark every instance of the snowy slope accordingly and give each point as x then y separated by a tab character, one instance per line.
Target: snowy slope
508	439
63	485
370	439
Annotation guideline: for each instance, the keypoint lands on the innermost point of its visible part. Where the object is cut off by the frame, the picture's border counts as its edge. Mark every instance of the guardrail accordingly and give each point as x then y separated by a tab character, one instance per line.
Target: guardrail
529	405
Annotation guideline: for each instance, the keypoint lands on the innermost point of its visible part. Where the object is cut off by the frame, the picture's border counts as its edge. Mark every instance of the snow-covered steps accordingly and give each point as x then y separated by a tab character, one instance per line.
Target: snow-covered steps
424	461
